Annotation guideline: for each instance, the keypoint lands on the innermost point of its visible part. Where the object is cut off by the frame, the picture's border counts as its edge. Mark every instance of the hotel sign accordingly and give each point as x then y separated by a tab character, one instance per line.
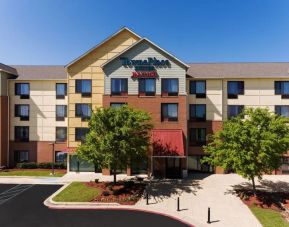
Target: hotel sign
145	68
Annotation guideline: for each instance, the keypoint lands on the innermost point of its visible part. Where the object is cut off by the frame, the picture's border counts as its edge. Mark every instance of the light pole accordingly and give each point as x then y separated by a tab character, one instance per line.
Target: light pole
53	157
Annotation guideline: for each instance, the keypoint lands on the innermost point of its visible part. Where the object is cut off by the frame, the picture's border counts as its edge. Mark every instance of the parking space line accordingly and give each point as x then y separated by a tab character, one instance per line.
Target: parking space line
14	191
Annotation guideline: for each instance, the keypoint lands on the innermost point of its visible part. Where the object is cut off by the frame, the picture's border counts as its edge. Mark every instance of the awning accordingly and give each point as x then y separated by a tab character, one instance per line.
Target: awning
168	142
69	150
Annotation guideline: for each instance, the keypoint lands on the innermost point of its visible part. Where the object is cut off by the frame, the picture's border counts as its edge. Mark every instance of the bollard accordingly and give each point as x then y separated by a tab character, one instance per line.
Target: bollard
209	216
147	198
178	204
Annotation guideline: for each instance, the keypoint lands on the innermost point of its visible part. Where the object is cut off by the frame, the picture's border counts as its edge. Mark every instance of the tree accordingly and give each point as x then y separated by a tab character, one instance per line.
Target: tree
251	144
117	138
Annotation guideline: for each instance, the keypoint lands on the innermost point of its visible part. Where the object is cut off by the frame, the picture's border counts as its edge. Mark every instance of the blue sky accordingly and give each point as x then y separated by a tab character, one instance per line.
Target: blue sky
56	32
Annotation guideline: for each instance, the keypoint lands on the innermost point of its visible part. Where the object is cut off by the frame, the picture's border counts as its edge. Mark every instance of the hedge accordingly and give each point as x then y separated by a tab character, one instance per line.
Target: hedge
44	165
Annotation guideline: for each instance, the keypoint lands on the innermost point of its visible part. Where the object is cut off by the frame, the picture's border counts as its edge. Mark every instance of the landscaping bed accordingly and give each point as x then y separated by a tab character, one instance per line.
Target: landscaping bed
32	172
123	192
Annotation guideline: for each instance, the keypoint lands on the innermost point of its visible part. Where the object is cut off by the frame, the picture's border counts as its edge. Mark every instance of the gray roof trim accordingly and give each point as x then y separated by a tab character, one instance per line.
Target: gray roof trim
8	69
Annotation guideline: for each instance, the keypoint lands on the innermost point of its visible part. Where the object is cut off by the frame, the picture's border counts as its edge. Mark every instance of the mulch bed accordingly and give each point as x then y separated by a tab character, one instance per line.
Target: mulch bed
125	193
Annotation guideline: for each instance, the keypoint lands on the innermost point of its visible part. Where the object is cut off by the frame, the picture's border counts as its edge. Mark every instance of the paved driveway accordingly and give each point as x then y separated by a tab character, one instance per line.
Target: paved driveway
22	205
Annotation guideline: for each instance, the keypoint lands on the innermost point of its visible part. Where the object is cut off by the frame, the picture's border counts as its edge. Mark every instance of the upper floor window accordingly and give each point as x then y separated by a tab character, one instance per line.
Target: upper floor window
83	87
197	136
198	87
169	112
170	87
21	133
83	110
61	112
147	86
235	88
118	86
22	111
282	110
198	112
21	156
23	90
61	134
234	110
80	134
61	90
282	88
117	104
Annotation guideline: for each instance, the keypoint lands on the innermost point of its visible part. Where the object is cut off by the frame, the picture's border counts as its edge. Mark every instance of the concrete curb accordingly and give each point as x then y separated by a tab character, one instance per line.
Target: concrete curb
116	206
33	177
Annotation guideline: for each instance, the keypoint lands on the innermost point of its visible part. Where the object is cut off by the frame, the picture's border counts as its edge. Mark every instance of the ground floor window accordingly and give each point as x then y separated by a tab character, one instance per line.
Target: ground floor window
194	164
21	156
78	165
60	156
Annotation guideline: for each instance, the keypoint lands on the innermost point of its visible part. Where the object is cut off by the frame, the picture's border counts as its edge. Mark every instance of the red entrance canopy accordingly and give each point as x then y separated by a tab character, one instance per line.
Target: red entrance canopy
168	142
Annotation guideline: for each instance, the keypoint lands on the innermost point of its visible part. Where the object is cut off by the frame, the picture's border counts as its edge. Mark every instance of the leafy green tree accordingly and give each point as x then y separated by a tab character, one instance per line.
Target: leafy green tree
117	138
251	144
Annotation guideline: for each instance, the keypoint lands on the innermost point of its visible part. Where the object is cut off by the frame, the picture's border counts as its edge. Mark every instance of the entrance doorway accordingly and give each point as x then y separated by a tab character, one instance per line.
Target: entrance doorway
173	168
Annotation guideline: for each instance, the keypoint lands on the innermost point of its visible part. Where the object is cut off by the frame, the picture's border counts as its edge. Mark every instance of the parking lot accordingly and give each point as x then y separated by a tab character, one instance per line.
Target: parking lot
22	205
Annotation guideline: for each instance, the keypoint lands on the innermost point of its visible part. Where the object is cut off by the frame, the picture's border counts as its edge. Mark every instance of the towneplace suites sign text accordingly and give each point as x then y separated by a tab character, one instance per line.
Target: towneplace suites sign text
144	68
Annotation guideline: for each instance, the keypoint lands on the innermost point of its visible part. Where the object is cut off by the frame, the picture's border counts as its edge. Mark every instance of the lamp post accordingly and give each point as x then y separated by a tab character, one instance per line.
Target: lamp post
53	157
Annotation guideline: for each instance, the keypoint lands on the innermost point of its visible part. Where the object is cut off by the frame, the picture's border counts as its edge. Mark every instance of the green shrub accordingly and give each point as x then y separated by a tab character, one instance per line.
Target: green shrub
128	184
27	165
43	165
105	193
96	180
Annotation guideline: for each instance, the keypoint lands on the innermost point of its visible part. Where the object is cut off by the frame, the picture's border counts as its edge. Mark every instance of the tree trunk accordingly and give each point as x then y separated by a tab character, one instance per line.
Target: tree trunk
114	175
254	186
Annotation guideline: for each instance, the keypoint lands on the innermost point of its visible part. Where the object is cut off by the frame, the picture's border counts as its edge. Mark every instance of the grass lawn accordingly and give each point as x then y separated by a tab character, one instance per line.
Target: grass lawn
269	218
77	192
34	172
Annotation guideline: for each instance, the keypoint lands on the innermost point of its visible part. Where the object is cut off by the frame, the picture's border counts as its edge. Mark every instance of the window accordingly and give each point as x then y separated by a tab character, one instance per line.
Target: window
117	104
80	134
21	133
118	86
235	88
23	90
83	87
198	112
282	88
22	111
60	157
147	87
234	110
61	112
61	134
169	112
61	90
83	111
21	156
197	136
198	88
170	87
282	110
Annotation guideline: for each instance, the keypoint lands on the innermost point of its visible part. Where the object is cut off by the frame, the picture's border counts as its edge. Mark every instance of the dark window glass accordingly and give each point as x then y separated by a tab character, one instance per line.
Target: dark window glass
234	110
282	110
21	133
118	86
83	110
147	87
61	134
61	90
235	88
170	87
60	157
22	111
282	88
198	88
83	87
198	112
169	112
80	134
197	136
61	112
117	104
21	156
23	90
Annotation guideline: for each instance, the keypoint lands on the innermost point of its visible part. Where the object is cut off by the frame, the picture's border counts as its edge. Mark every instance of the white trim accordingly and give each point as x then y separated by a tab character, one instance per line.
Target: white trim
104	41
153	44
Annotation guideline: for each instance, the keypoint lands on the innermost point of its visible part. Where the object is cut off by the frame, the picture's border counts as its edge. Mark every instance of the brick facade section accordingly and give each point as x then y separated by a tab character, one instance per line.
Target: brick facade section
4	129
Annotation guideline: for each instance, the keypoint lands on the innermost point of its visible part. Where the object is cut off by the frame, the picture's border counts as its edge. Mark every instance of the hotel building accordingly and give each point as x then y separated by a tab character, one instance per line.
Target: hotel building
45	109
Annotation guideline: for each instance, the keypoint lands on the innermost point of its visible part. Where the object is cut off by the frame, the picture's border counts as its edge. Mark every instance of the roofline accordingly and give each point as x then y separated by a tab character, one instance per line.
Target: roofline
152	43
99	44
240	62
